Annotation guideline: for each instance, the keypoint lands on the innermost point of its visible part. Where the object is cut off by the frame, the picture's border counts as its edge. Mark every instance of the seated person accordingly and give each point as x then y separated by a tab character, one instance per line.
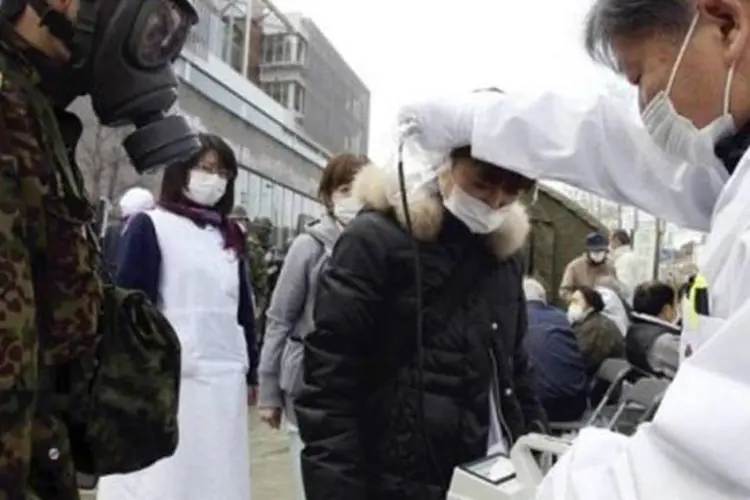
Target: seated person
653	340
598	337
561	381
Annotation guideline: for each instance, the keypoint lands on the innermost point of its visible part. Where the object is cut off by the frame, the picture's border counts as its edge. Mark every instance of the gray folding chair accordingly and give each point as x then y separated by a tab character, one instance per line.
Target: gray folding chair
638	405
613	371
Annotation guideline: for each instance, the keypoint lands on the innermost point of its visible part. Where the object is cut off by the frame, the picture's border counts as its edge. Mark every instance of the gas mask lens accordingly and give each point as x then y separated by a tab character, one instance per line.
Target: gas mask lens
159	34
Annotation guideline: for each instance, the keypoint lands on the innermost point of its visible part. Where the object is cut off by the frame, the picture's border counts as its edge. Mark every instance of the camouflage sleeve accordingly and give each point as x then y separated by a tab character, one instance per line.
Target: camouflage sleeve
259	273
18	340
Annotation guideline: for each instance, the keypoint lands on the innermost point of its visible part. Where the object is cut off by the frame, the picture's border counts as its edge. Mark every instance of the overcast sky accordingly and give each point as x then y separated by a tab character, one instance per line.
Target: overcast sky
406	49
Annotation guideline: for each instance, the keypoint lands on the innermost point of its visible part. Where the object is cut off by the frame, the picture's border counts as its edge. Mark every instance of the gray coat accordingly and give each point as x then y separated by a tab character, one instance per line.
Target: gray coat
290	314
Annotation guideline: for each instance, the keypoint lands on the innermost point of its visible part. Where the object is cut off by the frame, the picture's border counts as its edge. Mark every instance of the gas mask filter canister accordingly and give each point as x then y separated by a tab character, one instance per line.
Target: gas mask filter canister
122	55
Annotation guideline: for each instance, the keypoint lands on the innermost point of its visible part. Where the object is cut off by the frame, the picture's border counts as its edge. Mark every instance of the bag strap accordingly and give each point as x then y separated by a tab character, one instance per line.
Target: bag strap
454	289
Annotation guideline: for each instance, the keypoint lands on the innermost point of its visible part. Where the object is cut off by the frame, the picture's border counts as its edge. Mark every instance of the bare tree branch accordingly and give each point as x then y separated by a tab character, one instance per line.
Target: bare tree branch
101	158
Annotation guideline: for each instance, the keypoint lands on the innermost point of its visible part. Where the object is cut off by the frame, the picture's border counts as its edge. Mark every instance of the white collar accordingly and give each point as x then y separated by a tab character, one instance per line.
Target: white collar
652	319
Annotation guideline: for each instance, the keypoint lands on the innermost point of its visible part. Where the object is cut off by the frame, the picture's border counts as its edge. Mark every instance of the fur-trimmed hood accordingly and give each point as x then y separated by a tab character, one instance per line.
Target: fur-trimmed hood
375	187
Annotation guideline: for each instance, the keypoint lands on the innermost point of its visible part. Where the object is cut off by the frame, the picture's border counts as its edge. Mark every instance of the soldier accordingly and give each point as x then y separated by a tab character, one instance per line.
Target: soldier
260	247
51	52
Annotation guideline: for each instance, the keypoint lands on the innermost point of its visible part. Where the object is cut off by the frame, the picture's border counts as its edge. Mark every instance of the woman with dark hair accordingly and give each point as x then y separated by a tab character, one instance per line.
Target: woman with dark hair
188	258
290	313
599	338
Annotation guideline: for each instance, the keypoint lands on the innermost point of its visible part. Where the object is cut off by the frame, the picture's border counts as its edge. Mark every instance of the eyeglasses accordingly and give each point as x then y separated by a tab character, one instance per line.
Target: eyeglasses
214	168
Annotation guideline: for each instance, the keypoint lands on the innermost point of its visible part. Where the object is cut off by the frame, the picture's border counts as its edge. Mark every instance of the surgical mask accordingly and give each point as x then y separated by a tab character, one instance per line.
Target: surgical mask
677	135
479	217
346	208
575	314
204	188
597	257
121	56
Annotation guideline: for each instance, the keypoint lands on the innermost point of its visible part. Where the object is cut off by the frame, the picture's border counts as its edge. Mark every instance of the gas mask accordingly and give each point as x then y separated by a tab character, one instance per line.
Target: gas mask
122	55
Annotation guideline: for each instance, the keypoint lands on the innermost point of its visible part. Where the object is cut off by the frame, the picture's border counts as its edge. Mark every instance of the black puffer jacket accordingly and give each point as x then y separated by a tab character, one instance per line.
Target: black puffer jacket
359	412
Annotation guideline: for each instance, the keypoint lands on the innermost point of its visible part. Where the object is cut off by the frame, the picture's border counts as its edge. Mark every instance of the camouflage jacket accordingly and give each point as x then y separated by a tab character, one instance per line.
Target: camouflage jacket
51	292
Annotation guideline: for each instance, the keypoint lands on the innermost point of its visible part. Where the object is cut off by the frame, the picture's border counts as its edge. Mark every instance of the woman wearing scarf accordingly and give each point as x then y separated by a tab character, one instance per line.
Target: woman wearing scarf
188	258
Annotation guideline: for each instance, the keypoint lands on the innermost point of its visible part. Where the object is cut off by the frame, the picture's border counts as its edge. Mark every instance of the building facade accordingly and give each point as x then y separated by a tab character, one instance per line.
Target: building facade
303	71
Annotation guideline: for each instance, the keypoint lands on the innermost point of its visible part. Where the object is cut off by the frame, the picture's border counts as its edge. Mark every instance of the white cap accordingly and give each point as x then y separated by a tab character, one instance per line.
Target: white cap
534	290
136	200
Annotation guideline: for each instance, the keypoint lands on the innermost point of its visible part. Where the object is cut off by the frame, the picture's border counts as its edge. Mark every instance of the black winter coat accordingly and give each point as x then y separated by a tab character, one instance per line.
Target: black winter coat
359	414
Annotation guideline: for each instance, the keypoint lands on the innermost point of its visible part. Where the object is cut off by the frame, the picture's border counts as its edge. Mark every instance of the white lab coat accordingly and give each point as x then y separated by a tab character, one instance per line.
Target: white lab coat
199	294
695	448
631	271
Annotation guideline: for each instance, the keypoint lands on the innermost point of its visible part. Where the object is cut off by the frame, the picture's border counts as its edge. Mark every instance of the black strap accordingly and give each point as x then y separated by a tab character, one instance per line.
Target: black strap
454	289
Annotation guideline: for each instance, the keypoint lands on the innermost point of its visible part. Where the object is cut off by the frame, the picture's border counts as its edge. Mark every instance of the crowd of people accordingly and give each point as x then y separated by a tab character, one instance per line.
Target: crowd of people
382	382
401	337
602	321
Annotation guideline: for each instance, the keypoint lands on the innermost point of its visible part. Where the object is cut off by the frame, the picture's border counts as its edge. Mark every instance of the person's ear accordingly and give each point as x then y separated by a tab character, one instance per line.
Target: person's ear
733	18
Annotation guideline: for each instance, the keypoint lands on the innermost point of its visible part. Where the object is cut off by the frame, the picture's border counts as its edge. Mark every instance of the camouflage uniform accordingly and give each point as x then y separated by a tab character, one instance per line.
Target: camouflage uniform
50	294
258	247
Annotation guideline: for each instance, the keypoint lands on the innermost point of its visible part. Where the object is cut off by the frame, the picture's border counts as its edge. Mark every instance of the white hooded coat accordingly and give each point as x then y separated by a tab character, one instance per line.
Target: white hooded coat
695	447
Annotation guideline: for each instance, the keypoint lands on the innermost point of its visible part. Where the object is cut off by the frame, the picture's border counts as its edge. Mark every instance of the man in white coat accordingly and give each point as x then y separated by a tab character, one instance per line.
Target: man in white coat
691	63
630	270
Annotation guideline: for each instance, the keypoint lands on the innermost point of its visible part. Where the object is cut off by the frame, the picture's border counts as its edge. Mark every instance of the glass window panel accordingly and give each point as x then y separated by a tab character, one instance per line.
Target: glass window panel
253	189
277	200
309	207
278	49
296	203
294	216
241	195
284	207
265	208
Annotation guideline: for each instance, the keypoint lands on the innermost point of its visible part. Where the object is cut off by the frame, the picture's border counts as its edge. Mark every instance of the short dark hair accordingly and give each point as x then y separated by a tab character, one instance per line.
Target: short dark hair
609	20
176	176
651	297
340	171
593	298
621	236
494	175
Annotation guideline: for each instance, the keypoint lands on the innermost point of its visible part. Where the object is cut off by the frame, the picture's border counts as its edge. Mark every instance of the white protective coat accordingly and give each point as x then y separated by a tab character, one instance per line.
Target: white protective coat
696	447
199	293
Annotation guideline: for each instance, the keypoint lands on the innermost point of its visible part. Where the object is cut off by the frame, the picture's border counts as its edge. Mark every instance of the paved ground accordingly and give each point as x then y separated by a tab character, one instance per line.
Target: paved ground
271	466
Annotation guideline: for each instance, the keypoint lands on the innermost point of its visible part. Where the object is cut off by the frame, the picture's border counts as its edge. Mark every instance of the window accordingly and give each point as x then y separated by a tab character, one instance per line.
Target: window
267	49
253	189
265	208
241	195
284	94
301	50
299	98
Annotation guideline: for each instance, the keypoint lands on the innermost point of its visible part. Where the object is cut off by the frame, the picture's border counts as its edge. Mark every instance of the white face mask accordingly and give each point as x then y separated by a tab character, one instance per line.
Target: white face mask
204	188
676	134
345	208
597	257
575	314
479	217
